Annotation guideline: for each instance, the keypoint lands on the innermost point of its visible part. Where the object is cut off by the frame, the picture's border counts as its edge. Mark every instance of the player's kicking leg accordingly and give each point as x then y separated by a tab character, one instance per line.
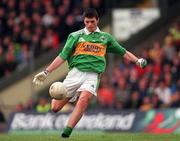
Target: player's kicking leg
78	112
57	105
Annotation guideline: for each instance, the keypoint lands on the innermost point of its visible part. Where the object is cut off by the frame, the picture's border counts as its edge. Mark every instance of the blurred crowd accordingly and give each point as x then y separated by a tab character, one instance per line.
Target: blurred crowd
156	86
28	28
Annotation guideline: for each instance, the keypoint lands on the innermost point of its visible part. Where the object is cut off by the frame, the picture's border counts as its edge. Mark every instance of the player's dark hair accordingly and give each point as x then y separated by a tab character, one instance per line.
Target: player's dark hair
90	13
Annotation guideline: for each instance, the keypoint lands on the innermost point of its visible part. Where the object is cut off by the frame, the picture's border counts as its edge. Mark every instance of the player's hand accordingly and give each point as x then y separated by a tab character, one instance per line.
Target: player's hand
142	63
40	77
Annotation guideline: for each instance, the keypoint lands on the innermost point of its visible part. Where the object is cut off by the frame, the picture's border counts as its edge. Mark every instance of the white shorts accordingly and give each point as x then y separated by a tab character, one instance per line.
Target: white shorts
77	81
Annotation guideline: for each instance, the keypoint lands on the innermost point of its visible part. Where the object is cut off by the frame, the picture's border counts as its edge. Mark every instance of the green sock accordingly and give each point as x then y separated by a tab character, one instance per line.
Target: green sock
67	132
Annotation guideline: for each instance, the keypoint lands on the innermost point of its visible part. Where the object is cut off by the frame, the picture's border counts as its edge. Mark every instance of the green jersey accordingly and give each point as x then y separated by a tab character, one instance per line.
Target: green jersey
87	51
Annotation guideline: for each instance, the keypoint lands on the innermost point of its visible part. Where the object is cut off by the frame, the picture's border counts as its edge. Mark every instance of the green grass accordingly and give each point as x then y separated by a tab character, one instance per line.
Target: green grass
91	137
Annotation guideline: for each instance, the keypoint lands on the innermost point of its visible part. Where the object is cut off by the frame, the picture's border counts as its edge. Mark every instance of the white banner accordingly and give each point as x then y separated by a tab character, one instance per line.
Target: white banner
126	22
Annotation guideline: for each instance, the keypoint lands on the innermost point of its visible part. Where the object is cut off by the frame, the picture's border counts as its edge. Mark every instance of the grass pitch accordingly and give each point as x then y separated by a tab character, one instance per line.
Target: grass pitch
91	137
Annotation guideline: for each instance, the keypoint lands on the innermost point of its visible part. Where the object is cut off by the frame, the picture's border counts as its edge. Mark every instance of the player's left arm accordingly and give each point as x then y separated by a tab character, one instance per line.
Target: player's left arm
115	47
141	62
128	55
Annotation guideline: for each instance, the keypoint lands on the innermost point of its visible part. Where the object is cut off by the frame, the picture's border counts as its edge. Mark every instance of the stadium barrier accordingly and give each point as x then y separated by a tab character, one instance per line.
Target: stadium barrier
153	121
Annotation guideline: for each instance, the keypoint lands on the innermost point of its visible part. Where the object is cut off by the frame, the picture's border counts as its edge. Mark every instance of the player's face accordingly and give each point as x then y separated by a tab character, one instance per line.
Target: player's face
91	23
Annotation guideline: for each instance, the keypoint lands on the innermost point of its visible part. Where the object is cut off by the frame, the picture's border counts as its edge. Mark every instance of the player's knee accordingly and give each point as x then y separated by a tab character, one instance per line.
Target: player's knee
54	109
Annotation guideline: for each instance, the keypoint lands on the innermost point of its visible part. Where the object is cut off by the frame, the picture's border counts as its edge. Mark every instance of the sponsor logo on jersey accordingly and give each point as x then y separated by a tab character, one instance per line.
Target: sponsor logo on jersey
90	49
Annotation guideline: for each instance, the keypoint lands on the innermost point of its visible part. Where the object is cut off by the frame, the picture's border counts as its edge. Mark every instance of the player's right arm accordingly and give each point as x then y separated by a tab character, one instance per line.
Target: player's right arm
40	77
55	64
66	52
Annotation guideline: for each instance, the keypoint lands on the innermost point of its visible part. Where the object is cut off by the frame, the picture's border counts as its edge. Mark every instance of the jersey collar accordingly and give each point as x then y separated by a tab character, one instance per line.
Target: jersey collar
87	32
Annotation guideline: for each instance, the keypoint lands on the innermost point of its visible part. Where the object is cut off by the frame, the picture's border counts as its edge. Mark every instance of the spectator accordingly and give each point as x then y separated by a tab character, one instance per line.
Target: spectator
10	62
122	93
52	38
29	105
48	18
175	100
99	6
70	26
157	67
43	105
19	107
156	52
167	76
142	88
133	79
134	102
85	4
175	33
163	92
24	56
105	93
116	74
156	103
175	68
169	48
146	104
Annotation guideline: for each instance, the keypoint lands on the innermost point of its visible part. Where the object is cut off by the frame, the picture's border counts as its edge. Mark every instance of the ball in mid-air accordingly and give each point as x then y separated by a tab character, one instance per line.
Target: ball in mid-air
57	90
